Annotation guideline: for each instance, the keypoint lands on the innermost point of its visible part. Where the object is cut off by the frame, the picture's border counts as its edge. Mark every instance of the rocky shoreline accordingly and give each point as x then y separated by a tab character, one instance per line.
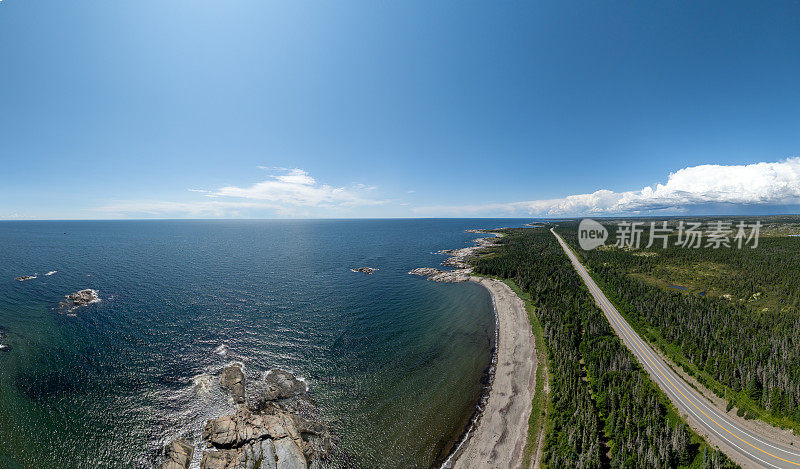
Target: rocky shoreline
459	260
271	428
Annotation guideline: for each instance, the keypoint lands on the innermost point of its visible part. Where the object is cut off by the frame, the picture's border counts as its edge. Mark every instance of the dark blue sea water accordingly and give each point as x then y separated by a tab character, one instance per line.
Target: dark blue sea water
394	362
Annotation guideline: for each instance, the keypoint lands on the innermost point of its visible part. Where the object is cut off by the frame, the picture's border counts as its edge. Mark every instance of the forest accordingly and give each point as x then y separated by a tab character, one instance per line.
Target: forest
728	316
604	410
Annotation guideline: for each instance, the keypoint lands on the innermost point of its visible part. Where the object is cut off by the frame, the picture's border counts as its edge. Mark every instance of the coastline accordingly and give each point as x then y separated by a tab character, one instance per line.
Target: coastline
460	444
498	431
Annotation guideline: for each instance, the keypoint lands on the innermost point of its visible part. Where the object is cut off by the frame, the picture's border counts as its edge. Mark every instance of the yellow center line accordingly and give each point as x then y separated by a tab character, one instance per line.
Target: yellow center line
600	297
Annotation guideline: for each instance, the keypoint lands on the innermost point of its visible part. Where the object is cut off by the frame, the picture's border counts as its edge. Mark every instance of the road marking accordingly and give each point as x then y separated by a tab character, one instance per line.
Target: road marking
600	297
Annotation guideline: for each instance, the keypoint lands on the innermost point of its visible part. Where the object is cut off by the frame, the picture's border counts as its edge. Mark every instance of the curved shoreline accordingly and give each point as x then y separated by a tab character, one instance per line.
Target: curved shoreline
498	430
464	438
500	433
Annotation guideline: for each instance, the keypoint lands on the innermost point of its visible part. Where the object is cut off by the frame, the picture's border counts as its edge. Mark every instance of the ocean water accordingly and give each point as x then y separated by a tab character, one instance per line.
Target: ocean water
394	363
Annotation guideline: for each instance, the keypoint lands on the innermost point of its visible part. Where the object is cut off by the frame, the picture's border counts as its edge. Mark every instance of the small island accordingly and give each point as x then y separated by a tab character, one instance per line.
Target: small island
366	270
25	277
78	299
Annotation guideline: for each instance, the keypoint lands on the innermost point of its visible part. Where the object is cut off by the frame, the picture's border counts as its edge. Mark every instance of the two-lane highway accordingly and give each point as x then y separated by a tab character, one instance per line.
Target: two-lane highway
750	447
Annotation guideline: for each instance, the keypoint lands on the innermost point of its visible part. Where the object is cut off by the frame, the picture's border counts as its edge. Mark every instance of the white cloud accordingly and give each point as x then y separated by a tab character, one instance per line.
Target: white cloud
296	176
199	209
14	216
736	185
292	192
295	193
297	187
273	168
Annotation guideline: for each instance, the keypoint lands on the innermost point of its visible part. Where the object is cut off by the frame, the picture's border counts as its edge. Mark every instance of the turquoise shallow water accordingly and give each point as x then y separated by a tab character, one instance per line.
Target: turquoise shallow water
394	362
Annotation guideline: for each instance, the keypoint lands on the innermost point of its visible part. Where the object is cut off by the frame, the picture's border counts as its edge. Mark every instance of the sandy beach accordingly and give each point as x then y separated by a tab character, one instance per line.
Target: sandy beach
497	440
499	437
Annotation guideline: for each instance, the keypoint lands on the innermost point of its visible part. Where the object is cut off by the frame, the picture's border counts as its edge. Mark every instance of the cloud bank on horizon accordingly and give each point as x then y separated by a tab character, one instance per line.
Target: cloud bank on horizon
292	193
295	193
742	186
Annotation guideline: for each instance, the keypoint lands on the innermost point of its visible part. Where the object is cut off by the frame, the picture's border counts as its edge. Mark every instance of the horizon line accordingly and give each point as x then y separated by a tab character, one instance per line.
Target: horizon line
607	217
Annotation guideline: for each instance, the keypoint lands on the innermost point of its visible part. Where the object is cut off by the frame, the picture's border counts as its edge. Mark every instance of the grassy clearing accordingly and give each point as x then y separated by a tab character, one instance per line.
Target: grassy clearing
709	278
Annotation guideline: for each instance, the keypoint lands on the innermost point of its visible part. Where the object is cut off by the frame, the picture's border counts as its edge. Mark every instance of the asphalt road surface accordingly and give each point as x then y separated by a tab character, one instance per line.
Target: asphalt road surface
756	449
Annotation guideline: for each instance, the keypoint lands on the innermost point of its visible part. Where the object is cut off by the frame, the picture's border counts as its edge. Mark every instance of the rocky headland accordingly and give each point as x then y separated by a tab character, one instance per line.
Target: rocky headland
271	429
446	276
459	259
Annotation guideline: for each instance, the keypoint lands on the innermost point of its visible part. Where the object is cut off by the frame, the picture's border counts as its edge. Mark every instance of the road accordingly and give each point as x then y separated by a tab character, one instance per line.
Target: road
750	448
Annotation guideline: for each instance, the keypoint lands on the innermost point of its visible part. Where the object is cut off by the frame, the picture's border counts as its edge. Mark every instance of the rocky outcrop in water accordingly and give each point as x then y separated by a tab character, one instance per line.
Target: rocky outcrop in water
366	270
282	384
232	379
179	455
271	433
246	439
78	299
25	277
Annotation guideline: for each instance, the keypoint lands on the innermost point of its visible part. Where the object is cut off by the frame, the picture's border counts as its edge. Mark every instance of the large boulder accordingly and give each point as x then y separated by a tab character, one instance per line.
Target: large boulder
266	450
233	431
271	436
282	384
232	379
220	459
178	455
259	454
289	455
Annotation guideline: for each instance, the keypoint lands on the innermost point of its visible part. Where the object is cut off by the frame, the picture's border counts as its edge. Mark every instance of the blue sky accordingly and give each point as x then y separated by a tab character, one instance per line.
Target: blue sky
170	109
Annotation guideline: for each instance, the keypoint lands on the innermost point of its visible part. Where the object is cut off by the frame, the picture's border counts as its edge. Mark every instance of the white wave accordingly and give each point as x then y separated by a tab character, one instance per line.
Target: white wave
202	383
221	350
240	364
50	273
